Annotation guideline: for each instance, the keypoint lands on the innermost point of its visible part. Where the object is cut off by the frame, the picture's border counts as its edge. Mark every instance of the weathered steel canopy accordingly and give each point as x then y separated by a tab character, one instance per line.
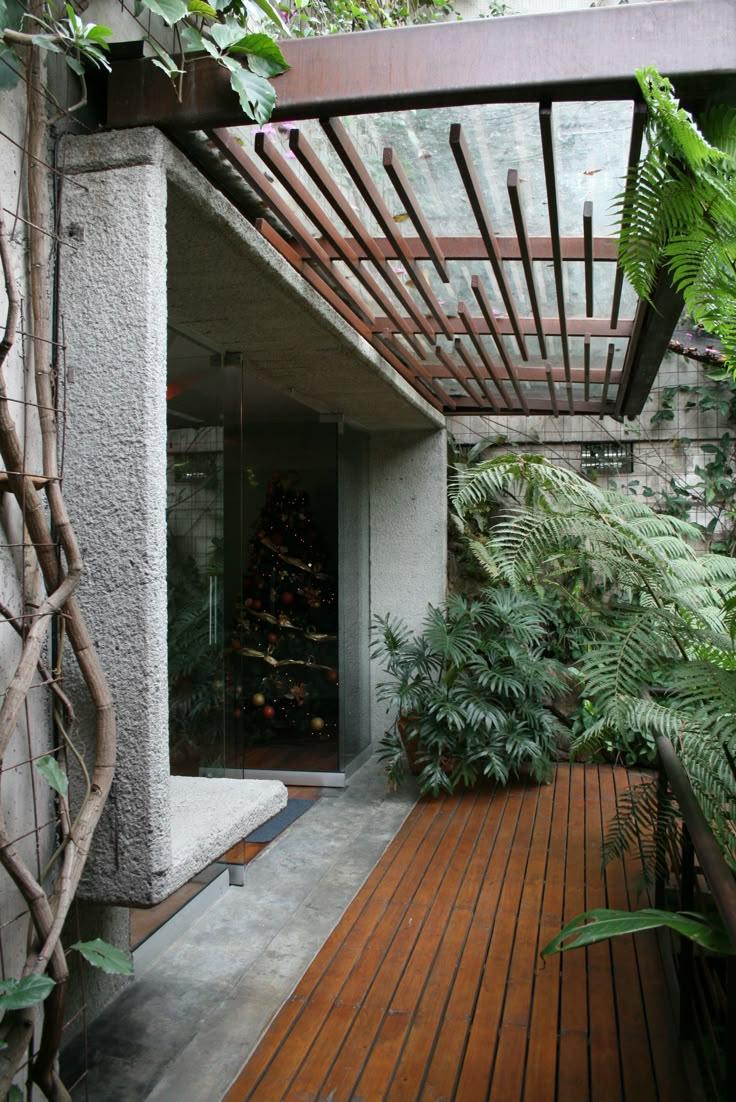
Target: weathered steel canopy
467	235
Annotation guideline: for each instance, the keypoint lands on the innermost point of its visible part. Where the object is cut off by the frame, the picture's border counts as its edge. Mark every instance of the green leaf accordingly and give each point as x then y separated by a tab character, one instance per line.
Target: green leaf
15	1094
226	34
49	768
256	95
272	13
9	68
171	11
192	40
603	924
75	65
199	7
29	991
45	43
264	56
105	956
11	15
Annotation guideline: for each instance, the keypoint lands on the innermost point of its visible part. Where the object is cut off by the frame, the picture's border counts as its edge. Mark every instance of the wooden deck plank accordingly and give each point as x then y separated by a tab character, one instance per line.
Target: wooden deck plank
541	1068
430	989
605	1068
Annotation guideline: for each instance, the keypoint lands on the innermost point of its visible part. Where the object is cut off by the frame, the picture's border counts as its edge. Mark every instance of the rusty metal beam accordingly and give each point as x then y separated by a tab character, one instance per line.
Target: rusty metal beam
270	155
588	248
411	205
526	251
487	311
637	134
577	55
576	327
474	192
473	248
473	370
362	244
539	374
550	176
653	327
348	154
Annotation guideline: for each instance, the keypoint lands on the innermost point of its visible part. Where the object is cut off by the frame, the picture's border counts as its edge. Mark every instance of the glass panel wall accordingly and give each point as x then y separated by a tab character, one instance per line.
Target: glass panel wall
283	648
267	638
354	595
195	565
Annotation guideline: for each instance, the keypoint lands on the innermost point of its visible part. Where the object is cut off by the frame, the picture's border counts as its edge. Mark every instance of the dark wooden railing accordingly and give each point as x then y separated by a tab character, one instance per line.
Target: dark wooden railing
707	983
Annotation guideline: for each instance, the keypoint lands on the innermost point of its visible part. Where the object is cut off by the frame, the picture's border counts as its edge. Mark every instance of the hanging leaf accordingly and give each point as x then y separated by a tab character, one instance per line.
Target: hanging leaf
171	11
199	7
602	924
192	40
272	13
49	768
9	68
226	34
29	991
105	956
15	1094
264	55
257	97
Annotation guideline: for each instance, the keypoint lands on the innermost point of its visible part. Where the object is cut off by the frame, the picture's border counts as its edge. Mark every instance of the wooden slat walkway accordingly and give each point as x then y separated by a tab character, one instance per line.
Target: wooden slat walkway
430	989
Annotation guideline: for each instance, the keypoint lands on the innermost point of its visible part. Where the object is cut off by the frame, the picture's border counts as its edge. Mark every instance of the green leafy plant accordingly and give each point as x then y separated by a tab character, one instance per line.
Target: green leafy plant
678	210
603	924
661	657
474	685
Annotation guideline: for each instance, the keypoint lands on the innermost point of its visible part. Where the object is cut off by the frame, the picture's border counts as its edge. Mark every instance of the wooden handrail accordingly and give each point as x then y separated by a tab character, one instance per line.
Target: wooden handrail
718	875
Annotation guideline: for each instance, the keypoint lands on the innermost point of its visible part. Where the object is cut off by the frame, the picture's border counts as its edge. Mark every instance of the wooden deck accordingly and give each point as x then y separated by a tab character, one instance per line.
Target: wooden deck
430	989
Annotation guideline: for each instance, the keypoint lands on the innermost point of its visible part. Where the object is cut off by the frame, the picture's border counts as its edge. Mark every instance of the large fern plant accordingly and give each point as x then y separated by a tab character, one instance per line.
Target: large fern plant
661	660
678	210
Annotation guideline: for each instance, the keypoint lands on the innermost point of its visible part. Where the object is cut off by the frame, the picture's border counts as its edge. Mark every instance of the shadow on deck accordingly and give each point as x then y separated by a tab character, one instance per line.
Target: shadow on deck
431	987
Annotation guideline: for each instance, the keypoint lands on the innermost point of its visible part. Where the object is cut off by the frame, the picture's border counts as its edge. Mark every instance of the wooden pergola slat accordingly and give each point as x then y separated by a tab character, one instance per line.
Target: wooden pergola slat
398	69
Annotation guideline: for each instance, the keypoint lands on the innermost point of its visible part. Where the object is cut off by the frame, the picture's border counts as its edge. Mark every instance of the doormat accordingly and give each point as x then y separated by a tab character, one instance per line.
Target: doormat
293	810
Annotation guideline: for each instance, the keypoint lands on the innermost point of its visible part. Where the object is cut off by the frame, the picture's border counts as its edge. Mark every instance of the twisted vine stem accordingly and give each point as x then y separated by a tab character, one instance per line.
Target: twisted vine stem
52	537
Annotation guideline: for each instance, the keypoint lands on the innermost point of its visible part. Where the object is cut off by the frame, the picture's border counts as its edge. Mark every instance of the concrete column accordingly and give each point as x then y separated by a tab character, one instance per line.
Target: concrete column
408	524
113	303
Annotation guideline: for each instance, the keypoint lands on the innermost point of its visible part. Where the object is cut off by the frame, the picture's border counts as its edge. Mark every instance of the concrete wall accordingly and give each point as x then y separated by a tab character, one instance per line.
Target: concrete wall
408	526
662	450
114	287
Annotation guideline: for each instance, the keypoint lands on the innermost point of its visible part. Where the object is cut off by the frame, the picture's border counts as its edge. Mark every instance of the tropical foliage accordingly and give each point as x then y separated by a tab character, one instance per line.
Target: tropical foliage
661	659
678	210
474	683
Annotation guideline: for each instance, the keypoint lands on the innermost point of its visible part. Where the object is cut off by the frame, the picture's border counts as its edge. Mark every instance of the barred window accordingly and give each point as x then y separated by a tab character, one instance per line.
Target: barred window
607	457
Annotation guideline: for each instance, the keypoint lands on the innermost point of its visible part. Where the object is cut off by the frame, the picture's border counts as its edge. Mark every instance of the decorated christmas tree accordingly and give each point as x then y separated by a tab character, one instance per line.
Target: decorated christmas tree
285	643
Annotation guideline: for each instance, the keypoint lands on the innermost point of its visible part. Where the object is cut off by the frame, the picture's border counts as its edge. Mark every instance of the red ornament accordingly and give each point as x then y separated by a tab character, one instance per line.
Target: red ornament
287	598
236	713
235	644
332	675
273	637
257	605
268	712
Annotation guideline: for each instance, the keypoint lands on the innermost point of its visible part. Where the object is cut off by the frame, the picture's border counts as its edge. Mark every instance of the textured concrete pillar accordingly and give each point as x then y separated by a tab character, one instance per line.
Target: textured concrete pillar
113	302
408	550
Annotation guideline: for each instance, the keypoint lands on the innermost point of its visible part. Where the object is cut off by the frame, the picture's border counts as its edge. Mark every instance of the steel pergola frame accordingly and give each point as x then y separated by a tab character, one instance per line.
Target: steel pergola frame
544	59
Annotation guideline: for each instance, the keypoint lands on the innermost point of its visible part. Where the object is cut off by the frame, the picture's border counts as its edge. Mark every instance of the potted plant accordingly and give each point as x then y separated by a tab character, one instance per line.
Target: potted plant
469	691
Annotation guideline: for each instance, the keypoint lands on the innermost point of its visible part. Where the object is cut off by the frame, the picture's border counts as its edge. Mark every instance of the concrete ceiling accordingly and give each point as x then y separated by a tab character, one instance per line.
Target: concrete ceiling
229	290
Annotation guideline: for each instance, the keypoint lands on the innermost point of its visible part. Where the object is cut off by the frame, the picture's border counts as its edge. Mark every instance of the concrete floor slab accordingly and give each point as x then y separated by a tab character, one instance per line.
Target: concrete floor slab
184	1030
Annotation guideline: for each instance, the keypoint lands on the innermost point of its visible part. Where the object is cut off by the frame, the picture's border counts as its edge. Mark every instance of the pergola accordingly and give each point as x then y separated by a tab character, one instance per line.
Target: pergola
448	190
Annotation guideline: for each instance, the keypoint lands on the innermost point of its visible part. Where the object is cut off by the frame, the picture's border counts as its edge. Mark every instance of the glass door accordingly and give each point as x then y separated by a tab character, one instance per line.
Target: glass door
268	593
282	647
195	530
